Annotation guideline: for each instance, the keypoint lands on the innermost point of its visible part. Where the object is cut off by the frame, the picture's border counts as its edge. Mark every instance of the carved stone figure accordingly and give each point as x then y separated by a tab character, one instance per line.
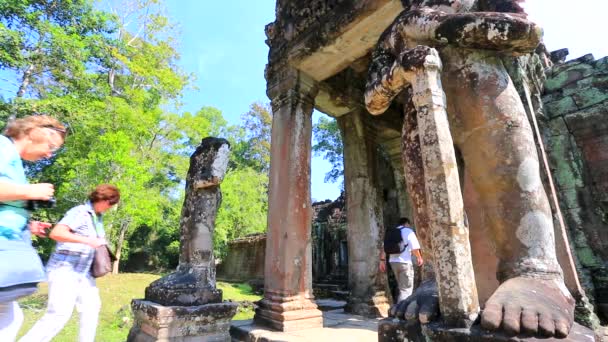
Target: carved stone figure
186	305
193	283
494	140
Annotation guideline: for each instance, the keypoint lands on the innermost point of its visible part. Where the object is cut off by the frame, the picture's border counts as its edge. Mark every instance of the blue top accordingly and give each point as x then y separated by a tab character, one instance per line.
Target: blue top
81	220
13	215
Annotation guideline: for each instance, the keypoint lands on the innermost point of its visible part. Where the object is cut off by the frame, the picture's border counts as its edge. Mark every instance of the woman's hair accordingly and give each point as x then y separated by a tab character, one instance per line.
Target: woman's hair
105	192
20	127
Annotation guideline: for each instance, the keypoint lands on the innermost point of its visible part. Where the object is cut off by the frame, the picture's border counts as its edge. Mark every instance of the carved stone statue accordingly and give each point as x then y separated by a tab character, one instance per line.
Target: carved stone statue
186	305
193	283
493	138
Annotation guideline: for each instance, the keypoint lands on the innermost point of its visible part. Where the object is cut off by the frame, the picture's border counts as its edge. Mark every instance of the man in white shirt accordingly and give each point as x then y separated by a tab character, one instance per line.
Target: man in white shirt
401	264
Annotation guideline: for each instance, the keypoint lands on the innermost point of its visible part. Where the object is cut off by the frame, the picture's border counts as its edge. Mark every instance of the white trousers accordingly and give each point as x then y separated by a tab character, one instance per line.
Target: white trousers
66	290
11	318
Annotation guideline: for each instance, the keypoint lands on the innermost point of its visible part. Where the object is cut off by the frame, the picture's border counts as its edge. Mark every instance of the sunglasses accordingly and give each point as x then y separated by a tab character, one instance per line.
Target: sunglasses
56	129
52	147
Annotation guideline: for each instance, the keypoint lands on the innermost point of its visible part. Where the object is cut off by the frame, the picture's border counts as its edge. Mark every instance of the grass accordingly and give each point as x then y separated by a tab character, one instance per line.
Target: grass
115	318
239	293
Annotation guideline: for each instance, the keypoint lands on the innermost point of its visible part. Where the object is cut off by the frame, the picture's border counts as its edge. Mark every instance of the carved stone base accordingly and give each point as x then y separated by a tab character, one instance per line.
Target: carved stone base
393	330
378	306
157	323
289	315
187	287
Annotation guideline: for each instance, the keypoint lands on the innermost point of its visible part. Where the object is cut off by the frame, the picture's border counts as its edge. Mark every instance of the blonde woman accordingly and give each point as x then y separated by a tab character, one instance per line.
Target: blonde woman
31	138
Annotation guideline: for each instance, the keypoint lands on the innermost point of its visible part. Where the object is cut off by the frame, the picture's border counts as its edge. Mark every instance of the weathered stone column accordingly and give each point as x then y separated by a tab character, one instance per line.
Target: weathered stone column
185	305
450	236
288	300
364	219
403	200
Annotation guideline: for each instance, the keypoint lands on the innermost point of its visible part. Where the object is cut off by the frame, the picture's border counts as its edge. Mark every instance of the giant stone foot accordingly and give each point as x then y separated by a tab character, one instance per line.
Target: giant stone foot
530	306
422	305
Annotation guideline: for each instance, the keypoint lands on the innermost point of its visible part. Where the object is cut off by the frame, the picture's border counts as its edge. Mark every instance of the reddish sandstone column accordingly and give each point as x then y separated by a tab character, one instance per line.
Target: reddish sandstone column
288	300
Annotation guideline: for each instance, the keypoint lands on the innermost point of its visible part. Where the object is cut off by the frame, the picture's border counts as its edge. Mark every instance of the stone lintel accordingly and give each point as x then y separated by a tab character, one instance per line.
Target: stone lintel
155	322
394	330
331	105
355	41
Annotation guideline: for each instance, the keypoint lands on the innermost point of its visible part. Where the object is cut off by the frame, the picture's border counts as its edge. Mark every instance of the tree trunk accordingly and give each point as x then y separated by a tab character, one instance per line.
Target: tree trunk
25	82
121	239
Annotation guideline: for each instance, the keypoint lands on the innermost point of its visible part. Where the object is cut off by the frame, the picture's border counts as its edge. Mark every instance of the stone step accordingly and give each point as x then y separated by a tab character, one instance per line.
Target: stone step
327	287
330	304
341	294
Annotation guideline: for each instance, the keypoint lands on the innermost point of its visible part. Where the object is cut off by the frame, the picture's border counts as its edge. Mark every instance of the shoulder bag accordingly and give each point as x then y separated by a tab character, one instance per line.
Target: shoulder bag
20	269
102	261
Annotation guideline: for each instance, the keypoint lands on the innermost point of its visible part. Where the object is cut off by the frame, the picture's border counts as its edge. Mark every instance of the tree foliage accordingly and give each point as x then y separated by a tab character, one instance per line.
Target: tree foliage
244	207
110	72
253	148
328	143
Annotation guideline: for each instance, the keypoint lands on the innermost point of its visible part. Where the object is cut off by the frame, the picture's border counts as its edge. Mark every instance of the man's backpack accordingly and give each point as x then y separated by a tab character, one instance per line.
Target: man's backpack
392	241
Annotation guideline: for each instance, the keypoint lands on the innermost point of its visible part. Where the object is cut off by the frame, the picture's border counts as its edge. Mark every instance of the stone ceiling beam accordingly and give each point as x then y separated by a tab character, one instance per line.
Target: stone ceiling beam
355	41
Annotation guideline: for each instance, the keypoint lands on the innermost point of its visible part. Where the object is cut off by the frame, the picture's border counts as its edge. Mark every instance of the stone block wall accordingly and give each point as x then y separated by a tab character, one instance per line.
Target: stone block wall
575	130
329	247
244	260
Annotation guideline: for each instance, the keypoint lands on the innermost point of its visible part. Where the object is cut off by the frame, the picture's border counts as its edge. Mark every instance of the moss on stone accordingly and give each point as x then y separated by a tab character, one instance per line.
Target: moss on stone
560	107
590	97
587	257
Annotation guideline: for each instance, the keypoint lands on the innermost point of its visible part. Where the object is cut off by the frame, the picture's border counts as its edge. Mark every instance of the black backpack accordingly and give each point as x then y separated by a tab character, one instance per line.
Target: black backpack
392	241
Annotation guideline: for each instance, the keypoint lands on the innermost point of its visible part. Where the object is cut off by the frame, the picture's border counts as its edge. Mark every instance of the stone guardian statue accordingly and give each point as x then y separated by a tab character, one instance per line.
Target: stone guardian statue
186	305
491	133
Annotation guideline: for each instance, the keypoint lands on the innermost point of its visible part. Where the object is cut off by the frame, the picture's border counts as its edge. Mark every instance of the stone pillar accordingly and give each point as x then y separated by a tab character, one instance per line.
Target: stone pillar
364	219
185	305
450	237
288	299
403	199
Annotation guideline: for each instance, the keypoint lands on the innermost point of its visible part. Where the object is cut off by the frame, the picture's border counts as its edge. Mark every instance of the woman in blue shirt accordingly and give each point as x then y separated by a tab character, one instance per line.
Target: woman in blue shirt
31	138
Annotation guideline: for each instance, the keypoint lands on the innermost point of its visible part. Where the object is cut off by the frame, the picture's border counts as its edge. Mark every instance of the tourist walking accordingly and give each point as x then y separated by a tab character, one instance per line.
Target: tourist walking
71	283
400	243
31	138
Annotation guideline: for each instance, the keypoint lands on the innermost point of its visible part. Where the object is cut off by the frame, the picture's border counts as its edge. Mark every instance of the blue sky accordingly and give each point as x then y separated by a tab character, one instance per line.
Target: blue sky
222	44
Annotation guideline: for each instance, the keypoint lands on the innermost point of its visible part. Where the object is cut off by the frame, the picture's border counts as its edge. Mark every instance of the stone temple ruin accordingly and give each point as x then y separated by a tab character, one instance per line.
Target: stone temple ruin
459	87
496	148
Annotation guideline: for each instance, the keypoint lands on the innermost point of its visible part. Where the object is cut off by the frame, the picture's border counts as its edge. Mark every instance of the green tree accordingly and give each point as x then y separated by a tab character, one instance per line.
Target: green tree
328	143
245	188
114	103
112	77
253	145
244	207
50	44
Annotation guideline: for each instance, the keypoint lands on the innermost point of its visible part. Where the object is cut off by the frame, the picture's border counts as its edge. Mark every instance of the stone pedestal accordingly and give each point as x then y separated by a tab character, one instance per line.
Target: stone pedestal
394	330
159	323
288	314
183	287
